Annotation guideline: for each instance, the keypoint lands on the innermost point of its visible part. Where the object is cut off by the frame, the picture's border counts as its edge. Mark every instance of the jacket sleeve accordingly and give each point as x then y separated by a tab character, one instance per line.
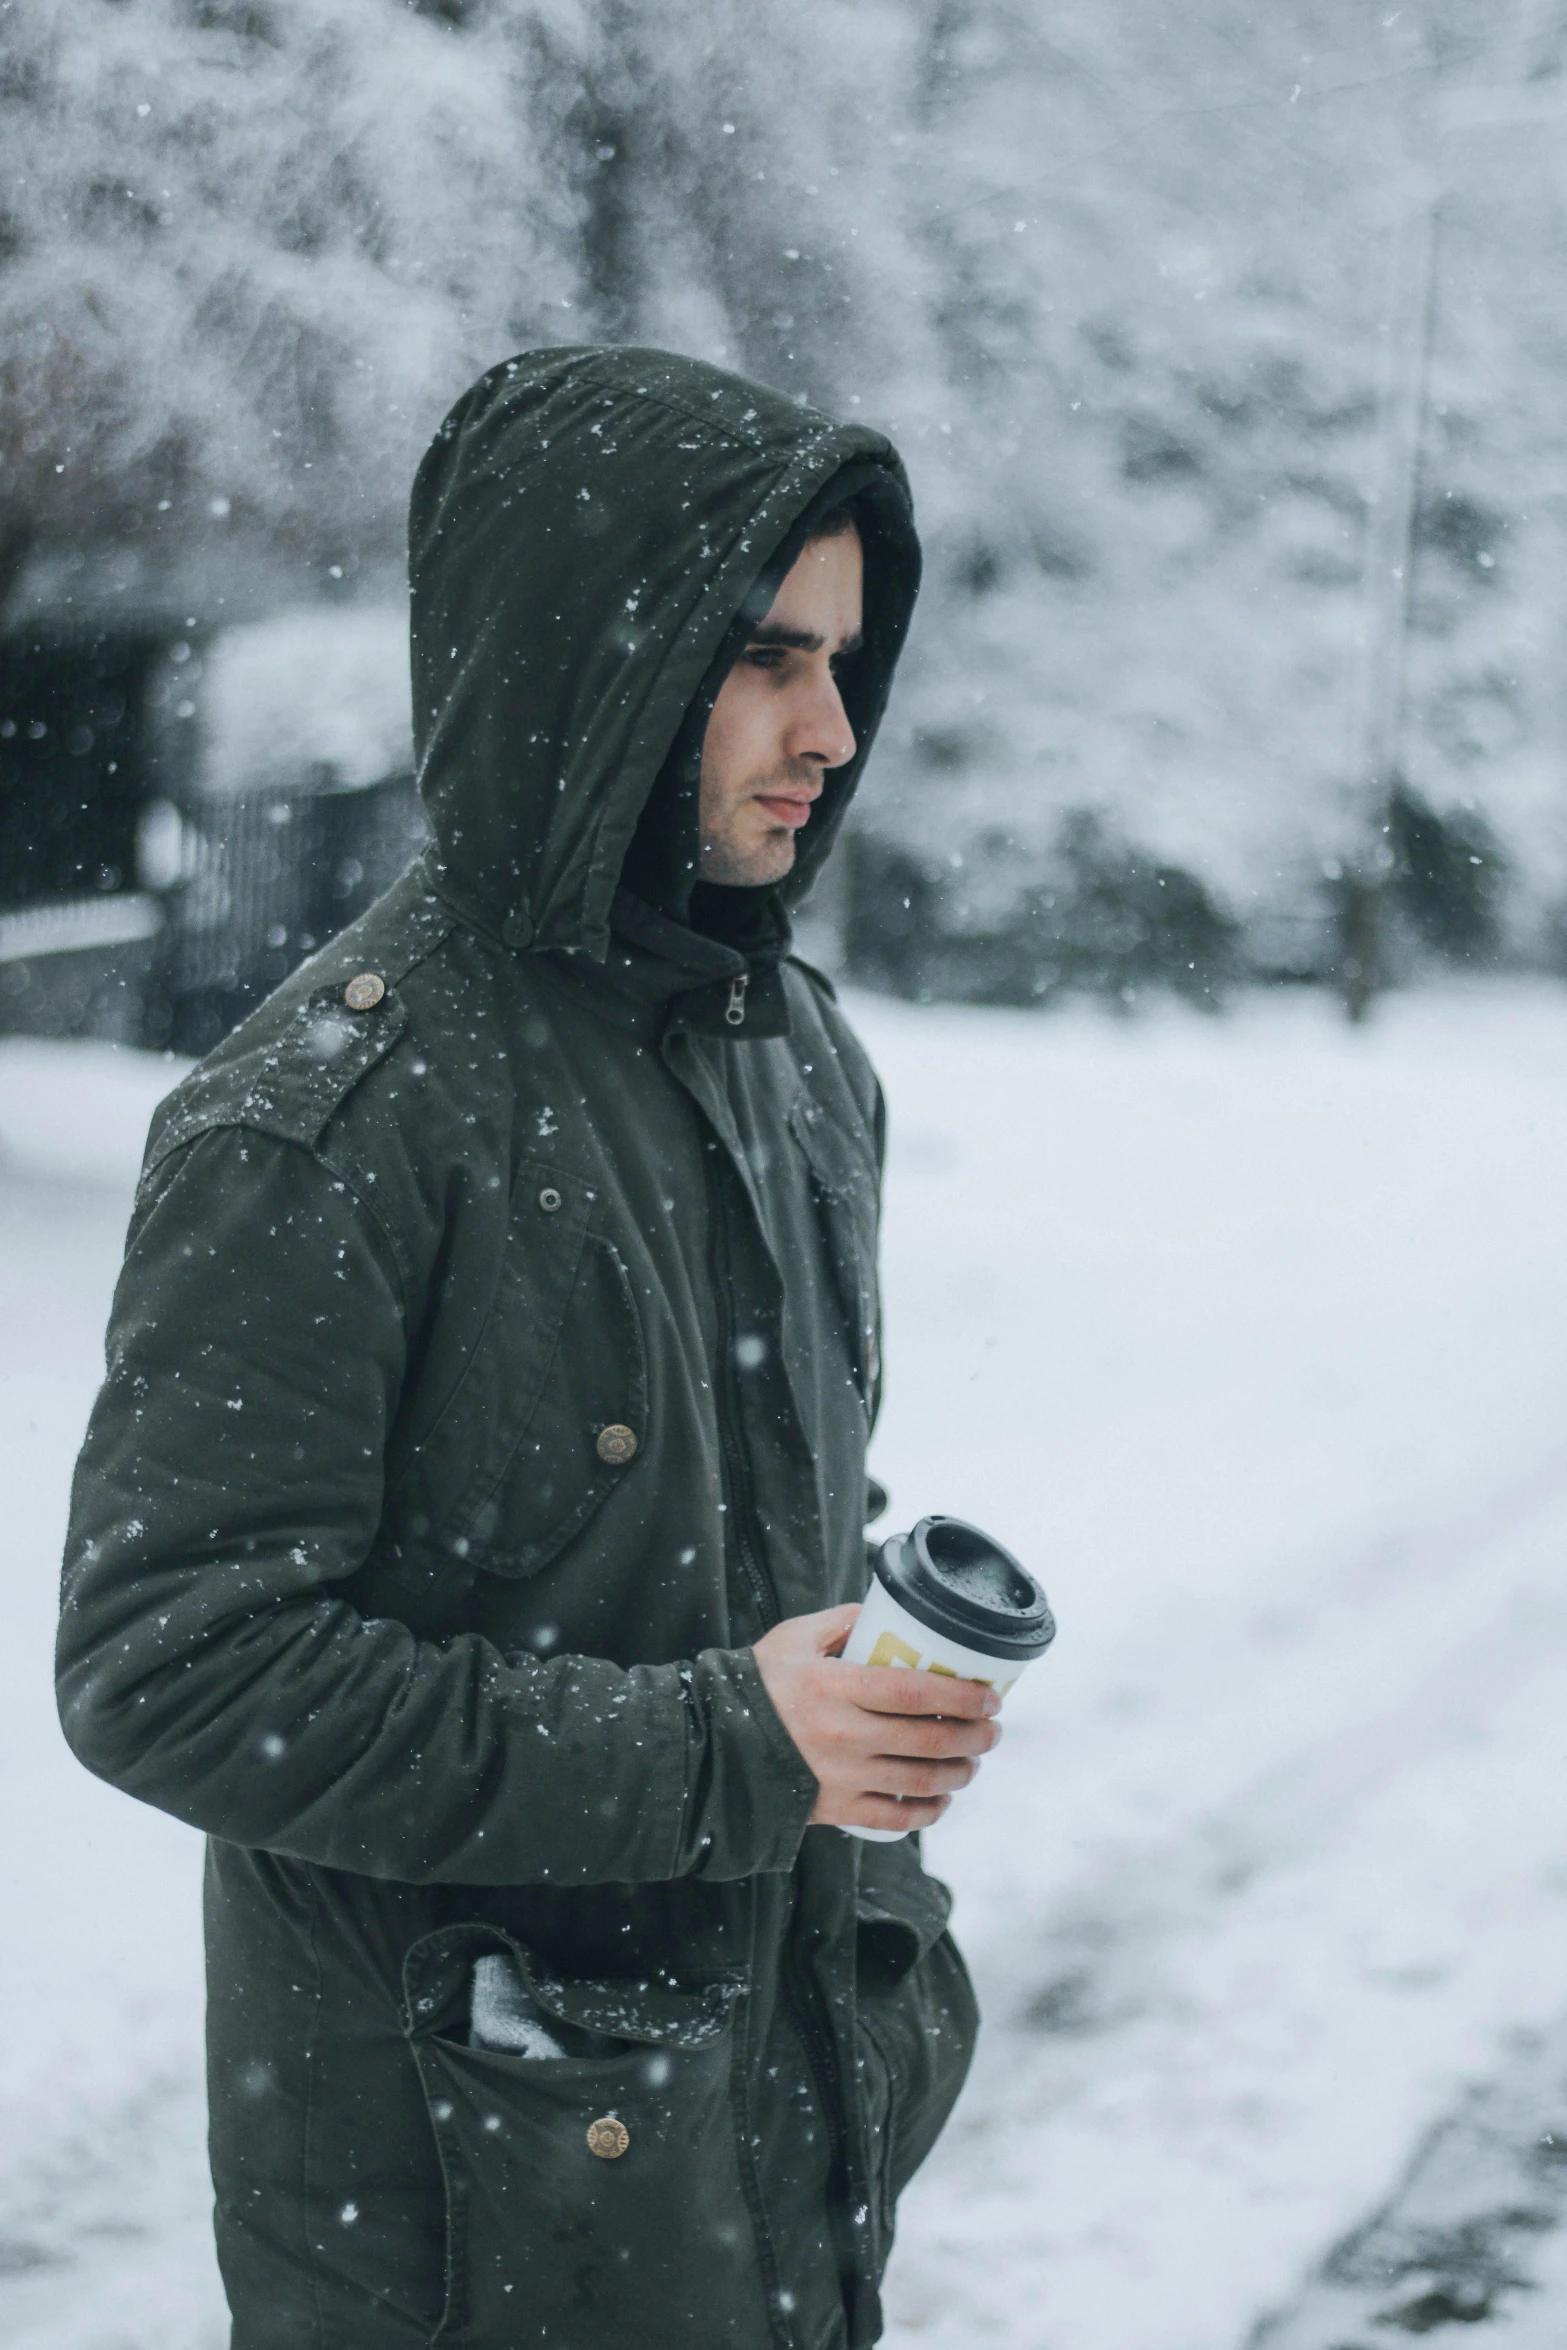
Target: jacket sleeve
231	1480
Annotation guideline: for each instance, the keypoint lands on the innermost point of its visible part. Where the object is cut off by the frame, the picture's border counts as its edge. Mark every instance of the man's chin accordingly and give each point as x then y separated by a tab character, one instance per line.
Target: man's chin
775	858
767	861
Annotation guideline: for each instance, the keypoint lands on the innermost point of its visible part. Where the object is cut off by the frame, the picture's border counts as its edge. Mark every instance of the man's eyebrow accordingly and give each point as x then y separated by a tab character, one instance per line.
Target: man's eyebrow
800	640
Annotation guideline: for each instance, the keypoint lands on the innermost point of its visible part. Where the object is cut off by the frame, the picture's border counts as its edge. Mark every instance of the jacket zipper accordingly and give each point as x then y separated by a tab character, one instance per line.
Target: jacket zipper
801	1999
804	2004
737	1473
734	1010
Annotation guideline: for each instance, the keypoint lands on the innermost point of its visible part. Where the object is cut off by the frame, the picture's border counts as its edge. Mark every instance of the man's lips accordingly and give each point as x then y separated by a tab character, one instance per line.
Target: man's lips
787	808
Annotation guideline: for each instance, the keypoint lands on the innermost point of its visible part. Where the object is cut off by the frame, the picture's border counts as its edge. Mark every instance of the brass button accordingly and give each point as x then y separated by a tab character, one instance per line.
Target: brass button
615	1445
365	992
549	1199
608	2138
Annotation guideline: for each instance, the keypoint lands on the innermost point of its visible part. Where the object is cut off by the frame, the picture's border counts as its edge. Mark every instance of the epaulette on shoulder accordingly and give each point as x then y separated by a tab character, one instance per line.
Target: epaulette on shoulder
289	1067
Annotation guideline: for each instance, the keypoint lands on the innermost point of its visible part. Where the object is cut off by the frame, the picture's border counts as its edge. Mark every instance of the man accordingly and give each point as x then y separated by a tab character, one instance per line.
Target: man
473	1508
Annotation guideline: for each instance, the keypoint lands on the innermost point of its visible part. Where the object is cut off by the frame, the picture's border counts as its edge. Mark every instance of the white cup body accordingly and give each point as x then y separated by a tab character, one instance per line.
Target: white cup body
886	1634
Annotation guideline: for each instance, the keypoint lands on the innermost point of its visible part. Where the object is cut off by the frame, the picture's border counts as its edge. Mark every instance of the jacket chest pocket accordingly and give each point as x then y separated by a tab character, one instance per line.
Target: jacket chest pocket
550	1412
584	1432
846	1194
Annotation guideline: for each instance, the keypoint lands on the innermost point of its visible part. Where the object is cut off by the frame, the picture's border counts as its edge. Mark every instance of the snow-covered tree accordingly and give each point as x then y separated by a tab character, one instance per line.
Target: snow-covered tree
251	248
248	244
1162	249
1119	279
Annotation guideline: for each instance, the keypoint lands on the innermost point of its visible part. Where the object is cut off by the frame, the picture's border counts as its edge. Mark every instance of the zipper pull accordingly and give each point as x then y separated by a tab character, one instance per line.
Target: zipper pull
734	1010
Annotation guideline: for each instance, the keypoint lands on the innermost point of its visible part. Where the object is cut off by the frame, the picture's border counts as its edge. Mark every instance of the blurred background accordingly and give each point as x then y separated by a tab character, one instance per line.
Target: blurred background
1225	346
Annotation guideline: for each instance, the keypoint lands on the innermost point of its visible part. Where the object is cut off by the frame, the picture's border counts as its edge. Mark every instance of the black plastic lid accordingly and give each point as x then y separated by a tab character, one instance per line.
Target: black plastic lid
958	1582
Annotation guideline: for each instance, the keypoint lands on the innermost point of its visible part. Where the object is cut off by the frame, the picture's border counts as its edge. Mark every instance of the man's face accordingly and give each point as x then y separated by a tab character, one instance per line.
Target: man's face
779	722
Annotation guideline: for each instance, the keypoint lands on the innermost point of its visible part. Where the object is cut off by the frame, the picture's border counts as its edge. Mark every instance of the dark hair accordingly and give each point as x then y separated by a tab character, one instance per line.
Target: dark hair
836	523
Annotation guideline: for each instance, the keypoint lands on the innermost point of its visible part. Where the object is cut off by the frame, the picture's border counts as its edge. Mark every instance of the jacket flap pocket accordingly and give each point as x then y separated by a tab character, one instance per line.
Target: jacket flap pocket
438	1970
842	1167
582	1434
659	2014
443	1465
845	1182
592	2198
901	1911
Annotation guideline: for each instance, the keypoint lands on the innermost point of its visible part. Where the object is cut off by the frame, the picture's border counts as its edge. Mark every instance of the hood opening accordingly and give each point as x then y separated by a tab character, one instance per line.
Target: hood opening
662	862
592	533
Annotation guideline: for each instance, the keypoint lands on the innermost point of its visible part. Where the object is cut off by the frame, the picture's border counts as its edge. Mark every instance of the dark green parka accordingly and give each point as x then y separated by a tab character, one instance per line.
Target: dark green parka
492	1362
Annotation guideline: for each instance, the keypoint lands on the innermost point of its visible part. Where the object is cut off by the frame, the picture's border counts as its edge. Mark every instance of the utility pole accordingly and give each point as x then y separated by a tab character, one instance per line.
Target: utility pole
1406	373
1405	383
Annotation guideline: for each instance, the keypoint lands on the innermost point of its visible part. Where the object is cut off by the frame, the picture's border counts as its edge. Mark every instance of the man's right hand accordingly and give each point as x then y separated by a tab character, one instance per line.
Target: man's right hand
889	1748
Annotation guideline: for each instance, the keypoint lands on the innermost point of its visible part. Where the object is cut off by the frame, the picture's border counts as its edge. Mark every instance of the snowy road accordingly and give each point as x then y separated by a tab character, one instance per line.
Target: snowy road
1253	1337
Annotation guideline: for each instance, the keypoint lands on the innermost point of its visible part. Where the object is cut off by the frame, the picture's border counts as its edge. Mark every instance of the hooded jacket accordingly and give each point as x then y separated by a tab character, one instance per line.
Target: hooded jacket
493	1361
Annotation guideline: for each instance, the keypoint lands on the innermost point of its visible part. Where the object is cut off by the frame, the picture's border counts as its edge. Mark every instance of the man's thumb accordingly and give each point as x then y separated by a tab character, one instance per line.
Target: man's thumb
833	1626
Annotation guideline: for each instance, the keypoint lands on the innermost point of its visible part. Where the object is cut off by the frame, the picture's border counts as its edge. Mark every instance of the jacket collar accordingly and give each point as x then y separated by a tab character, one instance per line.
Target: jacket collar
660	977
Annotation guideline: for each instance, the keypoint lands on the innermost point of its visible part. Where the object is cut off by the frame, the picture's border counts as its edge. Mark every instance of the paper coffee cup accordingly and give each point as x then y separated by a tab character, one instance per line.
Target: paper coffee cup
947	1599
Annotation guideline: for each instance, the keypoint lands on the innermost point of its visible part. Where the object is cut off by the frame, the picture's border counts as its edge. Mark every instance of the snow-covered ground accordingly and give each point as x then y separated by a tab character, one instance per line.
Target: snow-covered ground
1252	1336
103	2226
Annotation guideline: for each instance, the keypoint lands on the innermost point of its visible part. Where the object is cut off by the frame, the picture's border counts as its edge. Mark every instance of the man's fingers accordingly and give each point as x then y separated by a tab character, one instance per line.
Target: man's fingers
890	1689
919	1737
891	1775
884	1811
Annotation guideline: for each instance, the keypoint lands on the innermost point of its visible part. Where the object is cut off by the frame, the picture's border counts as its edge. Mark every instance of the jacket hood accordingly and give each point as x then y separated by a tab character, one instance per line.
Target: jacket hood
586	529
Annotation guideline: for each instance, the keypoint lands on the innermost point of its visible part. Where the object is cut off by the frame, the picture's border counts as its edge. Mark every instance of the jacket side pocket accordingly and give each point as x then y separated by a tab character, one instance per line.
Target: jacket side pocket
589	2199
917	2014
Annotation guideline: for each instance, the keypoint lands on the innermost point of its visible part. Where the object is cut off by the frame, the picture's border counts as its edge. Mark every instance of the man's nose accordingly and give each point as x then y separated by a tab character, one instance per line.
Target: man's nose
821	732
